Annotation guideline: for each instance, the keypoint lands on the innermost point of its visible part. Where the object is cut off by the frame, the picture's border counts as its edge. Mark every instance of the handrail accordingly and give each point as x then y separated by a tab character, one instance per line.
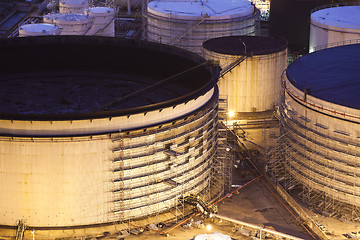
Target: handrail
337	44
331	5
313	105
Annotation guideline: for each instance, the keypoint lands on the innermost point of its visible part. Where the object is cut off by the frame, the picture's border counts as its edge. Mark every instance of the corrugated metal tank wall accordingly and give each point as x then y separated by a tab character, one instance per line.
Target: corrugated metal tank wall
68	181
339	29
323	146
189	32
254	85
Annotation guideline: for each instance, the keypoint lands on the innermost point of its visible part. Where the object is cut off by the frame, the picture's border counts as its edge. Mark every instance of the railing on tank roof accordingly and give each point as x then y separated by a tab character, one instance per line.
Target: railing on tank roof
331	5
337	44
319	108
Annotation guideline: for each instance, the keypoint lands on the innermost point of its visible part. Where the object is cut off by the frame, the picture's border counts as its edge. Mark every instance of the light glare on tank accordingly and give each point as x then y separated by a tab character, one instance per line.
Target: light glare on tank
231	113
208	227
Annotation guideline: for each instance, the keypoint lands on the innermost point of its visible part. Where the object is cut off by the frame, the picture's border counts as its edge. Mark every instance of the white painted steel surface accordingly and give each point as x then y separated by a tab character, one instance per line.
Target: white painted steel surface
187	24
38	29
70	23
92	178
334	25
97	125
255	84
103	21
73	6
322	142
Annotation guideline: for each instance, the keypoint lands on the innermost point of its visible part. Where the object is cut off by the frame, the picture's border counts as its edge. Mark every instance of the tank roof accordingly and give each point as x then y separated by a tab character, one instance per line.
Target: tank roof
235	45
189	10
67	17
343	17
74	2
331	75
39	27
81	77
99	10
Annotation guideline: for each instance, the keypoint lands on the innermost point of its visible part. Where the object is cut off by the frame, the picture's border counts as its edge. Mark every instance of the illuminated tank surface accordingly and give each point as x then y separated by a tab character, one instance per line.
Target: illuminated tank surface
320	120
97	130
334	79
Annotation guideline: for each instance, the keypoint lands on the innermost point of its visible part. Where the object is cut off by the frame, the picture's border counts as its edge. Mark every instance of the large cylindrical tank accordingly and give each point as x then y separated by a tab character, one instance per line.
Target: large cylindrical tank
38	29
320	129
187	24
334	25
88	140
70	23
253	66
73	6
102	21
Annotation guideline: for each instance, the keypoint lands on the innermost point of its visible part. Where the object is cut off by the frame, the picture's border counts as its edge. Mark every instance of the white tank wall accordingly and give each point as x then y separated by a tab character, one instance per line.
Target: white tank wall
323	145
73	6
255	84
38	29
102	21
189	32
81	180
98	125
54	182
344	29
70	24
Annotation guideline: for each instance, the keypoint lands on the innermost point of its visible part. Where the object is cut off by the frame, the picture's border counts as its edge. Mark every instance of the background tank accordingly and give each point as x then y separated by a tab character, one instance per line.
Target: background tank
187	24
38	29
73	6
102	21
320	131
70	23
81	145
334	25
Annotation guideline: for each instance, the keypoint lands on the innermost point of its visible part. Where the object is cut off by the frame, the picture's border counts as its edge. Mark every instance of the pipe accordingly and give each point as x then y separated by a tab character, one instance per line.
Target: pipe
149	229
229	194
272	192
261	229
195	214
129	6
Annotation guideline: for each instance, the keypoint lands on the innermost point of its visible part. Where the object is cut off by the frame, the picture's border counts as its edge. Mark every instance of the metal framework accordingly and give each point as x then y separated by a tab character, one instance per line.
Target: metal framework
222	173
296	165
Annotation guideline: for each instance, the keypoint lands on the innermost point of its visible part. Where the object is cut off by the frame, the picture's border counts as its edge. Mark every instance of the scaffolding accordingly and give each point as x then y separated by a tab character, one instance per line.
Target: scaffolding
306	163
222	170
154	167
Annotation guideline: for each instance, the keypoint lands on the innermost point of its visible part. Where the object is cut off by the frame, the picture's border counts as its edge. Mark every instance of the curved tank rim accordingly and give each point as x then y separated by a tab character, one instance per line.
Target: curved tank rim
177	52
255	45
182	13
39	27
344	17
330	74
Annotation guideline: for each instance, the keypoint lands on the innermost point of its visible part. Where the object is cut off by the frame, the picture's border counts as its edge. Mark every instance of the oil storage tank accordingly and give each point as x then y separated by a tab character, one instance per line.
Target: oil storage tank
73	6
321	130
38	29
70	23
103	19
334	25
250	83
251	70
87	140
187	24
